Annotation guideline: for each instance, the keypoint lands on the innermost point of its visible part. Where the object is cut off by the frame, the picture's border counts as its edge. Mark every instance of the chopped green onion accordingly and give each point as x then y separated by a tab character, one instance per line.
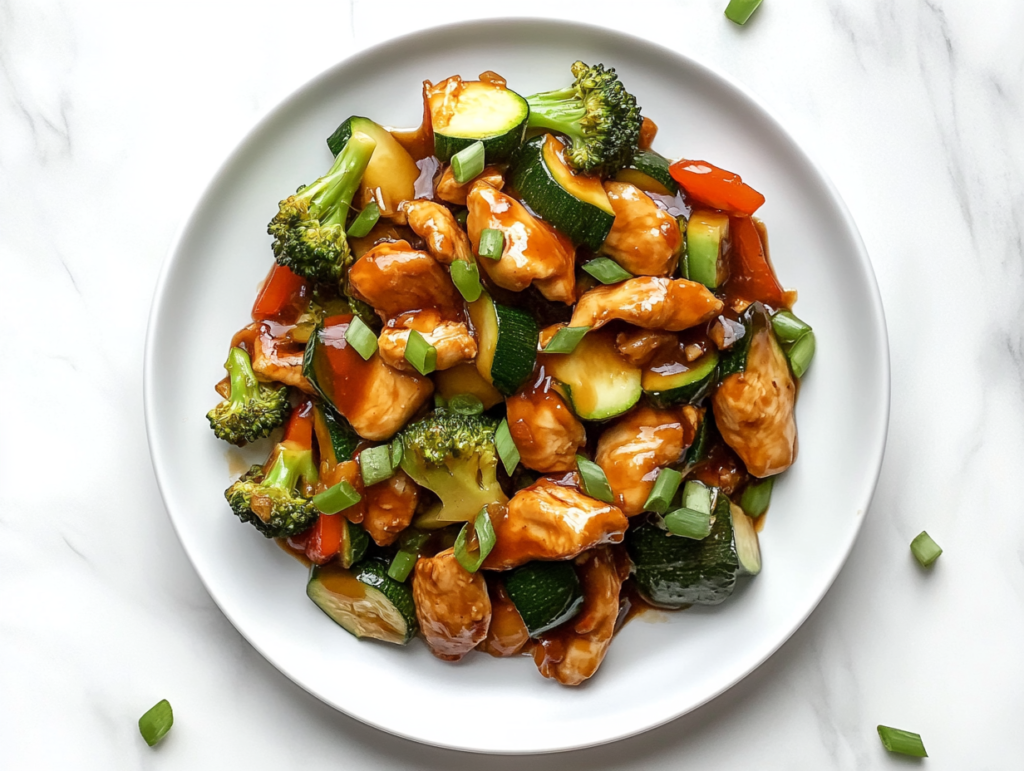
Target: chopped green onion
157	721
688	523
664	490
466	404
337	498
903	742
607	271
800	354
492	244
364	223
740	10
439	401
756	497
925	550
697	496
466	277
397	452
468	163
566	339
407	555
788	328
461	216
506	446
595	483
375	464
361	337
485	539
421	354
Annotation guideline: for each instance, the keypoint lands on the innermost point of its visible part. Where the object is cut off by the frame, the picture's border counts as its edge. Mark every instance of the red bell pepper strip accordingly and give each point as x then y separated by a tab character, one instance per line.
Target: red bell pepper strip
324	540
715	187
299	428
751	275
284	296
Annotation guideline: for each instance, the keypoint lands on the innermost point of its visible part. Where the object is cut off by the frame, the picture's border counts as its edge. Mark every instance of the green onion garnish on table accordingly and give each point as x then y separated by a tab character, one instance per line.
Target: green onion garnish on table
492	244
925	550
485	539
421	354
468	163
595	483
157	721
607	271
902	742
364	223
375	464
337	498
741	10
361	338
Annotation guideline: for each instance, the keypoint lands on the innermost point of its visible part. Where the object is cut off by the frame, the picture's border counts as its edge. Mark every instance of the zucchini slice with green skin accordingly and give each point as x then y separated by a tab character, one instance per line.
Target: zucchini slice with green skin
672	381
464	112
702	443
597	380
734	359
707	241
748	550
354	543
672	572
546	594
649	171
574	204
364	601
506	340
390	177
335	438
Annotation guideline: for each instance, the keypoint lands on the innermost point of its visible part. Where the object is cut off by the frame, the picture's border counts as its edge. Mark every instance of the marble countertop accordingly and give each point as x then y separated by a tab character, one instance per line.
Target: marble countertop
113	114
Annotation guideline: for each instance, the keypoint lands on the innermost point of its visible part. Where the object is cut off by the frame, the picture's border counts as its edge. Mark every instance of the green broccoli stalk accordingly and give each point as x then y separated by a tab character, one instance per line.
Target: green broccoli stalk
454	457
253	409
309	228
597	114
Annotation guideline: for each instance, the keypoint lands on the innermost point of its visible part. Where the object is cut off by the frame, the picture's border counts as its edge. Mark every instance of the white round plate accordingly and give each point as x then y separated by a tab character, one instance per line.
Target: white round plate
653	672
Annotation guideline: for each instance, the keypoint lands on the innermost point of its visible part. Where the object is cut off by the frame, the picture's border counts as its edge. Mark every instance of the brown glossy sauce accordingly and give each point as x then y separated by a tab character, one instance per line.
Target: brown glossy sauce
294	549
633	605
507	634
419	141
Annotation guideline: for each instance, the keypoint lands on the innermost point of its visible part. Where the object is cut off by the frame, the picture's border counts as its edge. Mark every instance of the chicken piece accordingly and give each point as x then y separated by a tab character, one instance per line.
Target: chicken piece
278	359
644	239
650	303
639	346
534	253
452	605
549	521
434	223
507	634
572	653
394	277
381	399
452	339
545	431
389	507
754	409
637	446
451	191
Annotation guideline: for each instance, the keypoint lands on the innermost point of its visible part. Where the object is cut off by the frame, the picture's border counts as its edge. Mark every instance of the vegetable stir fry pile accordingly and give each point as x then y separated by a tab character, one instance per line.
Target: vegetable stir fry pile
532	376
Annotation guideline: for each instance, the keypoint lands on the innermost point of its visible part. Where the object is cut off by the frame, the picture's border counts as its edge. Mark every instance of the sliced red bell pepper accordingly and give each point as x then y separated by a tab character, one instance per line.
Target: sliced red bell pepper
284	297
751	275
324	540
299	428
715	187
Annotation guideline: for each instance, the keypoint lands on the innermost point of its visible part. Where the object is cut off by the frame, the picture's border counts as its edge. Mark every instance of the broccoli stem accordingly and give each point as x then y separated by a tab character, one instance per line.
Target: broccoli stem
559	110
334	192
241	375
289	464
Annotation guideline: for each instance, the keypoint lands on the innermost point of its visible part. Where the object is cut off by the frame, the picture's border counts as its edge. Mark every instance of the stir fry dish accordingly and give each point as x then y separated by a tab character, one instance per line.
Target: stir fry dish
523	375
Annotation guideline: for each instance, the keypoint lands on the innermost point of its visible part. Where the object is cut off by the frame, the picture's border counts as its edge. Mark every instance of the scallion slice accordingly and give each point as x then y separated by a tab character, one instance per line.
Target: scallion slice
925	550
157	721
337	498
468	163
397	452
506	446
607	270
364	223
466	404
421	354
407	555
566	339
902	742
788	328
361	337
375	464
801	353
664	490
697	496
492	244
688	523
466	277
740	10
756	497
595	483
485	539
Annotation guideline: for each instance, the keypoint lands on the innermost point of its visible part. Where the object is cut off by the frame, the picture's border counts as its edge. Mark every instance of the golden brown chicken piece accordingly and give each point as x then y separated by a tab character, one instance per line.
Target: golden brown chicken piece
644	239
452	339
639	346
389	507
754	409
452	605
451	191
278	359
394	277
383	400
435	224
638	446
572	653
544	429
535	253
507	634
549	521
651	303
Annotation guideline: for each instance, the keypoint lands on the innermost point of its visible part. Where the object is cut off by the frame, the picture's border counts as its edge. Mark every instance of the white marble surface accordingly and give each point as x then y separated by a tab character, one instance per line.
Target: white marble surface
112	117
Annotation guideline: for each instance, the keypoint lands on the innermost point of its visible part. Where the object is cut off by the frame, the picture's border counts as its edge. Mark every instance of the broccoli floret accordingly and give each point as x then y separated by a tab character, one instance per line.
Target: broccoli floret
253	409
453	456
597	114
309	228
272	500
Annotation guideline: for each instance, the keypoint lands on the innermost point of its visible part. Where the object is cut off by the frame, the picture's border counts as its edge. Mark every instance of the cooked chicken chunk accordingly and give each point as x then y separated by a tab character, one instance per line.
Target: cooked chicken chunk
644	239
434	223
385	401
651	303
394	277
451	191
572	653
389	507
452	605
639	346
535	253
754	409
548	521
452	339
544	429
507	634
638	446
278	359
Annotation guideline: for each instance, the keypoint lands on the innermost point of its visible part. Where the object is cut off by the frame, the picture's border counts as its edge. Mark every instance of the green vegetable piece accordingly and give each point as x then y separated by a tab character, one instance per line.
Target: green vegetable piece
925	550
566	339
689	523
283	509
788	328
507	450
337	498
801	353
361	338
697	496
375	464
466	277
492	244
665	487
461	216
410	546
396	452
421	354
741	10
468	163
157	721
595	483
546	594
607	271
364	223
466	404
756	497
485	539
252	409
902	742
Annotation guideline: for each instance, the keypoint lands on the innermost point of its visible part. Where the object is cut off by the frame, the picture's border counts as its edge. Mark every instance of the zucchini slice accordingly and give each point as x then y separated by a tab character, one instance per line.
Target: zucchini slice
748	550
707	242
597	380
506	339
574	204
364	601
390	178
699	451
672	380
546	594
466	379
754	320
354	543
464	112
334	436
649	171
